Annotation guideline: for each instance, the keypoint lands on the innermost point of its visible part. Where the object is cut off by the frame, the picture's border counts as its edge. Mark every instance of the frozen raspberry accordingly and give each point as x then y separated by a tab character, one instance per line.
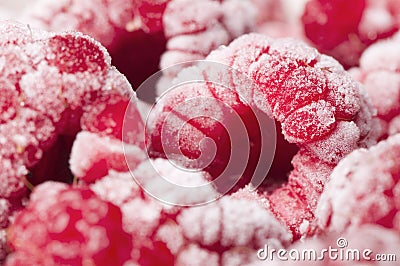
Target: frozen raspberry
46	80
92	156
138	210
379	72
352	249
363	188
320	108
102	145
114	24
227	231
193	34
344	29
141	215
60	218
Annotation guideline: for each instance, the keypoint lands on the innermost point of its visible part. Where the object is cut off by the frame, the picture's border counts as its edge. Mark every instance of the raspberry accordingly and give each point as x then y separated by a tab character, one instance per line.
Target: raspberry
46	82
60	218
193	34
100	19
330	27
101	146
379	67
344	204
363	188
114	24
317	120
217	230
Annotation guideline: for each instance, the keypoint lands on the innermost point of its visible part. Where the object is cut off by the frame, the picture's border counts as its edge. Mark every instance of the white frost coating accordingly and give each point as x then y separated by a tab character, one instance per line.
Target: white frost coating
233	222
342	141
202	257
89	148
382	55
150	173
357	192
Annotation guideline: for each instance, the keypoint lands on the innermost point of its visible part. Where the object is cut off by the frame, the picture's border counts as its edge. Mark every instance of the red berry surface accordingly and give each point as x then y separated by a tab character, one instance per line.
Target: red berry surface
63	225
193	34
47	78
363	188
344	29
319	106
379	72
130	30
227	231
184	119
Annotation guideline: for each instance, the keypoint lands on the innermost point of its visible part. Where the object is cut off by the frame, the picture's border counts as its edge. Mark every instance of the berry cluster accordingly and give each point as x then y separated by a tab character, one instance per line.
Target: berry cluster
91	175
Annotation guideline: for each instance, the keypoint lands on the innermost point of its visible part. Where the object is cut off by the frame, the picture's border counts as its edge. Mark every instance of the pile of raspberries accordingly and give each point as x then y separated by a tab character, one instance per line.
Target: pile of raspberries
83	153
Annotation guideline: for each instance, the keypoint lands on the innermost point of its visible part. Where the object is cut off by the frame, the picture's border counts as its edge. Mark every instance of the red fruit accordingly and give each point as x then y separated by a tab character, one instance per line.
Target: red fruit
99	19
60	218
105	116
329	23
46	80
379	72
93	156
230	229
193	34
114	24
205	126
227	231
320	108
363	188
344	29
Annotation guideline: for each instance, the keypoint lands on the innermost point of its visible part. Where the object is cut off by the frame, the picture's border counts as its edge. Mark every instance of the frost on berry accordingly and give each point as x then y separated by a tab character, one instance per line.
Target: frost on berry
171	184
97	18
70	226
203	126
93	156
46	79
363	189
379	73
319	106
140	214
130	30
105	116
229	230
186	26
